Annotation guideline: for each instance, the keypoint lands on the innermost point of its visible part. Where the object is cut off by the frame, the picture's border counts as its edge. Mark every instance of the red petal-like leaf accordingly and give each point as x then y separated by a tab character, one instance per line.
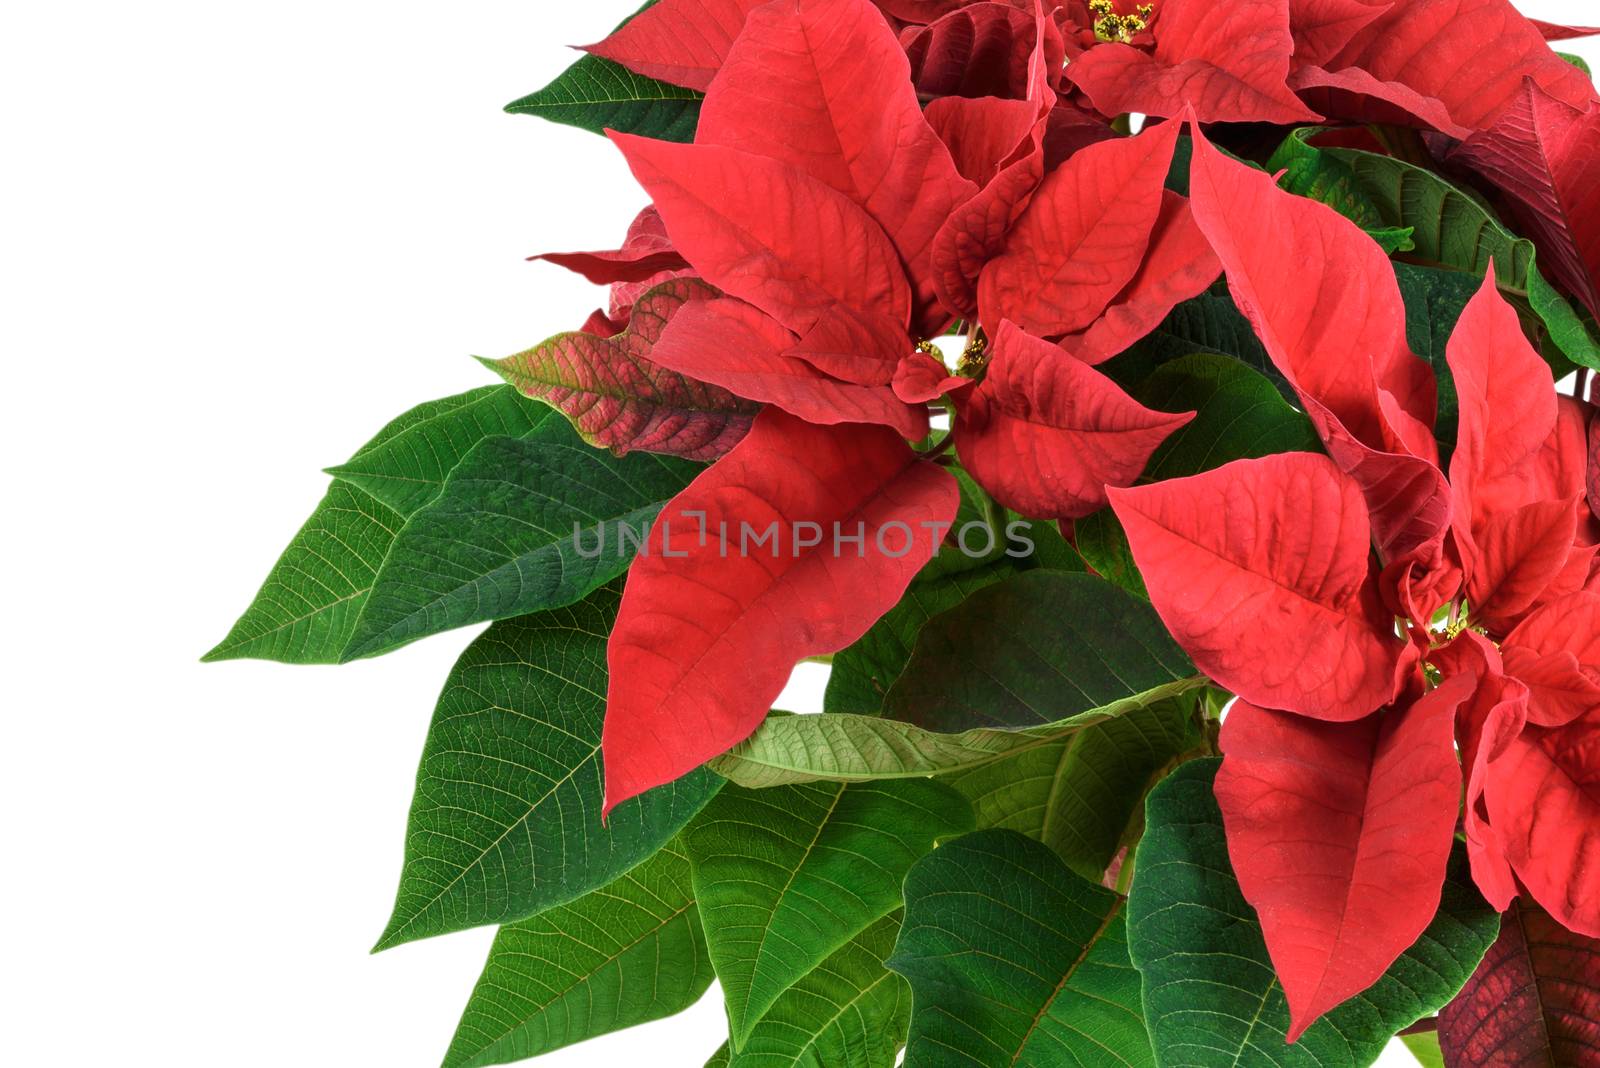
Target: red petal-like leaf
736	346
1544	802
1532	1003
1046	433
616	396
1551	31
920	12
1514	537
1591	479
1082	237
1324	300
1178	265
768	234
1470	55
1230	61
1545	156
1355	95
823	86
706	638
920	378
1340	834
680	41
983	133
647	252
1555	651
1260	571
982	50
854	345
1321	27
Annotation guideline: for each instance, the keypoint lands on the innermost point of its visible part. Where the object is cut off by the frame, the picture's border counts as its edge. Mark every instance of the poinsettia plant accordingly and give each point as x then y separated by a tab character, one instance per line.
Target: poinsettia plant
1151	413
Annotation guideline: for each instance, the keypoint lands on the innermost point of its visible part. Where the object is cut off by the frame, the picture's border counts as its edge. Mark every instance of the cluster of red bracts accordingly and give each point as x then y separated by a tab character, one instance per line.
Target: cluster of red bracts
865	174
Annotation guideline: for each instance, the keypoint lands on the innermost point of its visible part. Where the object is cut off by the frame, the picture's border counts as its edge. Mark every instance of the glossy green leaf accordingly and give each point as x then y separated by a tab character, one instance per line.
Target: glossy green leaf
506	818
1309	172
306	610
1013	960
409	469
1239	414
597	95
849	1012
522	525
1082	794
1210	994
1036	649
1209	323
787	876
1453	229
622	955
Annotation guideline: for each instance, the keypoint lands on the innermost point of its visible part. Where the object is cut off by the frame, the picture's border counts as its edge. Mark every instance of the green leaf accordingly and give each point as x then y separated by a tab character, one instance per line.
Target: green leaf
1013	960
787	876
1577	61
1039	648
307	608
851	1012
863	672
1434	301
596	94
521	526
622	955
1082	793
1207	323
1311	173
506	819
1425	1048
1239	414
409	469
1453	229
1210	994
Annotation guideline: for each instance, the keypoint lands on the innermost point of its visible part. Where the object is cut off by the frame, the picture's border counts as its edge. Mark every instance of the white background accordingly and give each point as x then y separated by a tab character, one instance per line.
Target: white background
237	239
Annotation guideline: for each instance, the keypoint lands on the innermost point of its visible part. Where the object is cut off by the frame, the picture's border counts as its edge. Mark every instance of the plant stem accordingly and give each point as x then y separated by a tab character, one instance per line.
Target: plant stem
1422	1027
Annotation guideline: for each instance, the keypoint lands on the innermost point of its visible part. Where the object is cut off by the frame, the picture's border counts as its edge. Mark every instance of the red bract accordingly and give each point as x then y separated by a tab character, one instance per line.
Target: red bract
1046	433
1229	61
1339	906
712	621
1260	570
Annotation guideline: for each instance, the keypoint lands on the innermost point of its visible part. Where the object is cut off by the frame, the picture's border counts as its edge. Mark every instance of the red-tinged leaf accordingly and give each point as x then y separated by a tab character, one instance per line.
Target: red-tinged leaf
1081	238
618	398
1532	1003
1354	95
1470	55
854	345
1551	31
734	345
823	86
1514	558
1340	834
706	639
982	50
1555	651
1045	433
1230	61
1591	479
768	234
1321	27
624	294
601	325
920	12
680	41
1178	265
920	378
1544	803
1544	155
1260	571
646	252
983	134
1485	725
1324	300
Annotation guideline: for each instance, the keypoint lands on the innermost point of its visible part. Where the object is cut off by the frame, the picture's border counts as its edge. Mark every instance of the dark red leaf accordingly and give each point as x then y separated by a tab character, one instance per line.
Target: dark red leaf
617	397
1551	31
1260	571
706	638
1046	433
981	50
1534	1002
646	252
1340	834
